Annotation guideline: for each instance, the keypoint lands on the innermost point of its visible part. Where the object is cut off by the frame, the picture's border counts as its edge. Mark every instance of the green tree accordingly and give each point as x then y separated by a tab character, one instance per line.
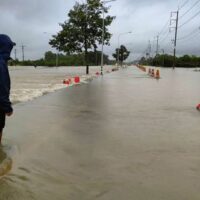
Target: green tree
143	61
83	30
49	56
123	54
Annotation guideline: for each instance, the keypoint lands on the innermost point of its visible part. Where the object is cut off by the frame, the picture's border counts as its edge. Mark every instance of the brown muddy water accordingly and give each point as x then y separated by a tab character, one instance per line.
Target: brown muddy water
122	136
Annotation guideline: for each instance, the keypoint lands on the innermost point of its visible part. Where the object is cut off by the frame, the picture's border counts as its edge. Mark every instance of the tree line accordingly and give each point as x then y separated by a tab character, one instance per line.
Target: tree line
185	61
52	59
93	59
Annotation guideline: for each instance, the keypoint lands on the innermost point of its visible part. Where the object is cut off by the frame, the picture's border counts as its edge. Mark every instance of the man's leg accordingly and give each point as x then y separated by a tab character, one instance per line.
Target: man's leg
1	131
2	123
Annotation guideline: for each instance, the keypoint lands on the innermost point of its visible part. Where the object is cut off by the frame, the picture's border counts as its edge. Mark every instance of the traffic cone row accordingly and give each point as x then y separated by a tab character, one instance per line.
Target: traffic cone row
74	80
108	71
141	67
67	81
154	74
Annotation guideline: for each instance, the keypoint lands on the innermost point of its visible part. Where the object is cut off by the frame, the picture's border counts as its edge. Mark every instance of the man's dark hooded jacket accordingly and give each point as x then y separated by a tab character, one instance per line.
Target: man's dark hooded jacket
6	46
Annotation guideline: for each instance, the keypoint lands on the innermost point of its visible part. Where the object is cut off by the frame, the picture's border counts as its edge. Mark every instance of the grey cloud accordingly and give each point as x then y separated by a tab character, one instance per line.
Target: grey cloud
26	20
38	11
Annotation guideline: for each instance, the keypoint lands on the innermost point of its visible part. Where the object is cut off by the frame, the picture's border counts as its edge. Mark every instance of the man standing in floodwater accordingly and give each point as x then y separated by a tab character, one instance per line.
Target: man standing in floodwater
6	46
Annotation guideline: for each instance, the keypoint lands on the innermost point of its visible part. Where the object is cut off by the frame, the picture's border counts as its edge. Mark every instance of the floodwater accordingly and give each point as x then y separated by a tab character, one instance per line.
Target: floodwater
122	136
29	82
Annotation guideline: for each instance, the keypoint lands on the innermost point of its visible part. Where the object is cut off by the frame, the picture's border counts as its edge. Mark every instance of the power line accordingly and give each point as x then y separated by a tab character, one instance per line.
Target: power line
167	31
165	37
190	9
183	5
166	24
189	35
141	55
168	45
189	39
189	19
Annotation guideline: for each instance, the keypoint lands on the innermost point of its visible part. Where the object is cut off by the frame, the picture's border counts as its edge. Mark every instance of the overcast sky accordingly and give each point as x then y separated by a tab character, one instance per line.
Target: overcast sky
25	21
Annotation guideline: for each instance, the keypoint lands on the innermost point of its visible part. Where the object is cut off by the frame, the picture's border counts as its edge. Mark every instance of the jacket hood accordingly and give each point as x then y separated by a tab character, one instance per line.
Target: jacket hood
6	46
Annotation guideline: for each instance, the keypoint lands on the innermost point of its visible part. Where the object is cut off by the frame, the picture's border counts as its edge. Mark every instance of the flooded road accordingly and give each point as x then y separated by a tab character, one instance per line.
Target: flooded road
29	83
122	136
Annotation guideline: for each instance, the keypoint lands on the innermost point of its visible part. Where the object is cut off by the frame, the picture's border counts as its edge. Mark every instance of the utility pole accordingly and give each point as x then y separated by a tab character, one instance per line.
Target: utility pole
85	38
149	49
23	52
163	52
57	59
118	52
103	34
176	13
15	54
157	46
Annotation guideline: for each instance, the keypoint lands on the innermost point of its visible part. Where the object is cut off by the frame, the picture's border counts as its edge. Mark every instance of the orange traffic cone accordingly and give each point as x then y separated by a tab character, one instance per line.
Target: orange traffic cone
149	71
157	74
152	73
77	79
